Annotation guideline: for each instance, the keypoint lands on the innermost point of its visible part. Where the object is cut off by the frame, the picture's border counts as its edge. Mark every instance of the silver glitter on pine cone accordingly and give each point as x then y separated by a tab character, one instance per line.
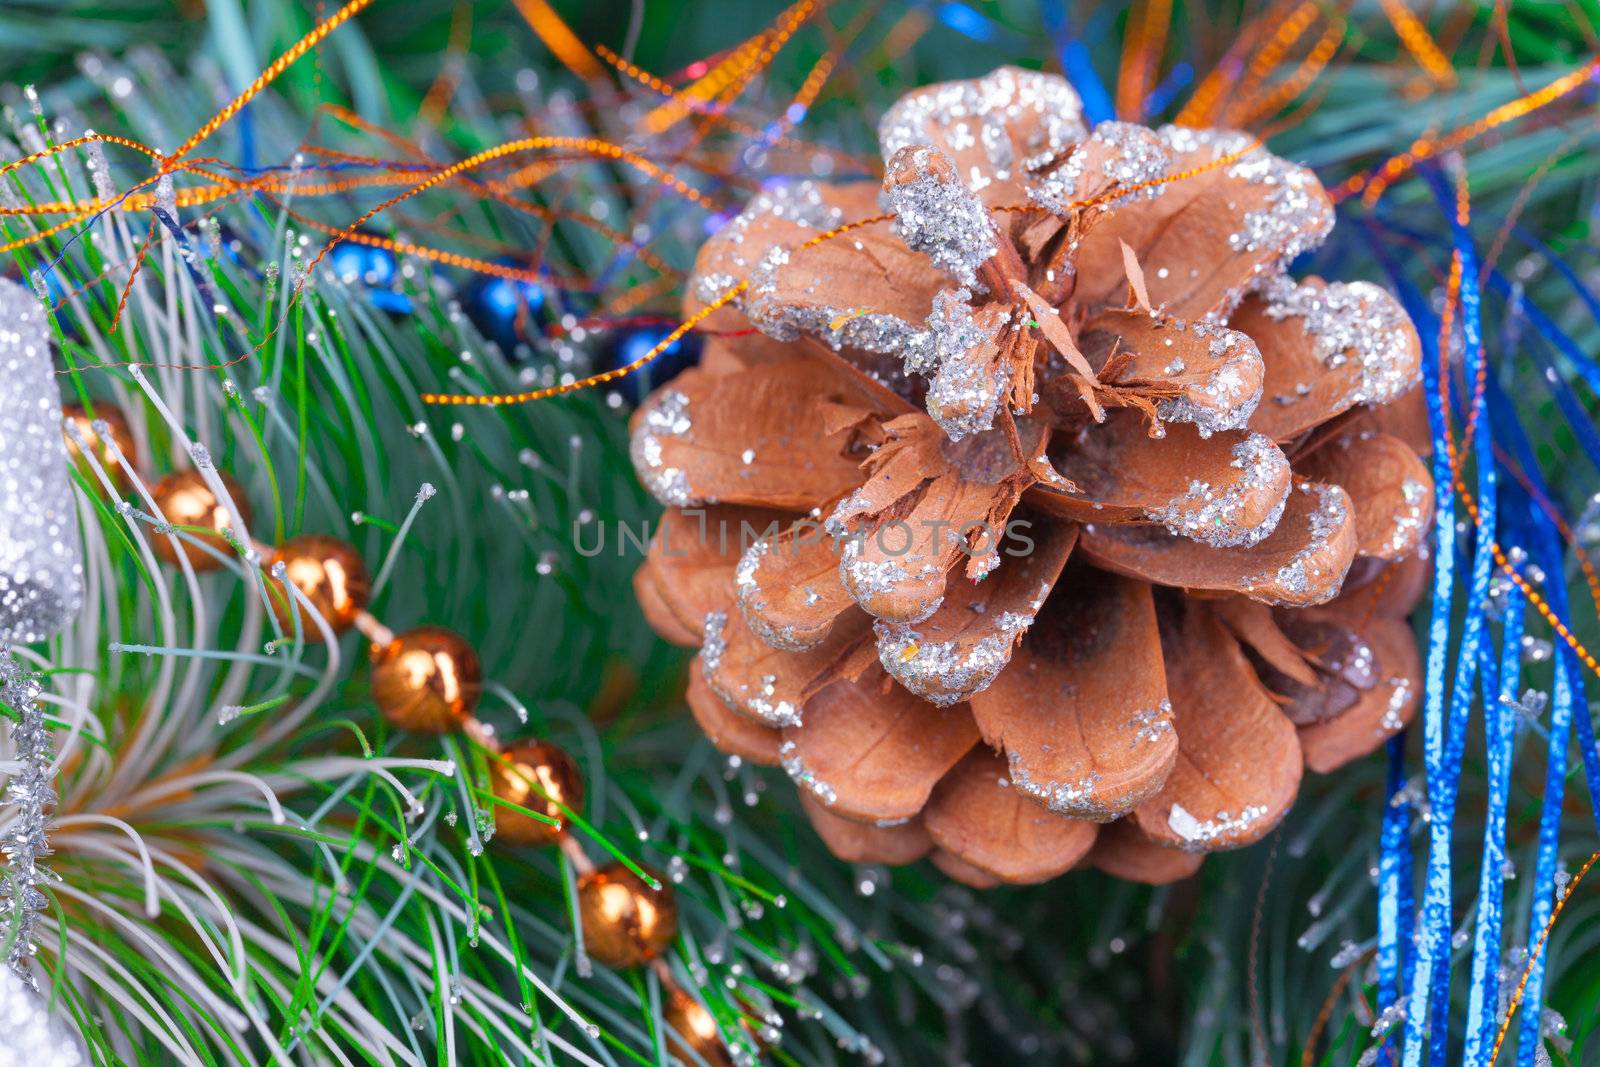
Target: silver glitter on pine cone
41	569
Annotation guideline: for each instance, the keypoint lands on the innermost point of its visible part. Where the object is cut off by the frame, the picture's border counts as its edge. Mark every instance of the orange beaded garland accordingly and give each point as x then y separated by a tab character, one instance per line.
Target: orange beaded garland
186	500
117	432
534	776
696	1029
625	922
427	680
331	575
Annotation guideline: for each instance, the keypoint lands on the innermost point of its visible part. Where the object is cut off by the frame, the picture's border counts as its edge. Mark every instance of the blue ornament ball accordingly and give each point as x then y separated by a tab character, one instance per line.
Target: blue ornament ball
630	343
373	267
506	311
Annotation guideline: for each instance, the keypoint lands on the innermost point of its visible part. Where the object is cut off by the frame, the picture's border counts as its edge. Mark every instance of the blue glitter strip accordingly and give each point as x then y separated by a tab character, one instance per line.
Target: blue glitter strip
1444	739
1499	730
1565	700
1394	876
1162	96
1563	268
1544	874
1433	712
1571	407
1079	68
1548	551
967	21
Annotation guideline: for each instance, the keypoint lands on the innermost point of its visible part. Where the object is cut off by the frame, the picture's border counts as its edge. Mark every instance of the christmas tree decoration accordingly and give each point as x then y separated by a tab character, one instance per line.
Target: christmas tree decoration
57	296
29	1034
41	566
507	311
185	499
693	1026
327	572
1048	505
426	680
625	345
540	777
107	435
625	921
1049	478
357	262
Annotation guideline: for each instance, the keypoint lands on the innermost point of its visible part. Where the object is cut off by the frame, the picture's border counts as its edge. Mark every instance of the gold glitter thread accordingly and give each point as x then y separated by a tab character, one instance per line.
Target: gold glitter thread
55	228
1414	35
455	259
1141	52
1372	184
559	38
1310	68
88	138
733	73
496	399
804	98
1446	321
138	262
1202	104
594	146
224	188
1538	950
1267	59
275	68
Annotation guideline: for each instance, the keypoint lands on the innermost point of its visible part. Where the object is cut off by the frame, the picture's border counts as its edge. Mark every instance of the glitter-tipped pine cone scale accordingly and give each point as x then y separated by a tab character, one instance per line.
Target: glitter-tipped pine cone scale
1046	521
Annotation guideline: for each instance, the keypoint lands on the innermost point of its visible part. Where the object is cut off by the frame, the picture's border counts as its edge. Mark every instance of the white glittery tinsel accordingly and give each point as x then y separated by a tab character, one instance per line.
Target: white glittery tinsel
29	1034
41	589
29	795
41	569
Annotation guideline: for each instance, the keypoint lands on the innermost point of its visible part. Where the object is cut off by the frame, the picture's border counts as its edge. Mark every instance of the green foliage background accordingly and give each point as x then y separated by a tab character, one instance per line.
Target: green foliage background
1232	967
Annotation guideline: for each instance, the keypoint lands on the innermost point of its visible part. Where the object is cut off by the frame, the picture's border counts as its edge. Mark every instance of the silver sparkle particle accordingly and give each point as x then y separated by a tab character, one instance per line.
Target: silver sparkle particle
41	570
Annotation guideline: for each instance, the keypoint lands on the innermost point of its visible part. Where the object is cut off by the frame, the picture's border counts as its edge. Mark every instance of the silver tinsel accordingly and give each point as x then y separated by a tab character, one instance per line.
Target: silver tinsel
29	1034
41	568
30	795
41	589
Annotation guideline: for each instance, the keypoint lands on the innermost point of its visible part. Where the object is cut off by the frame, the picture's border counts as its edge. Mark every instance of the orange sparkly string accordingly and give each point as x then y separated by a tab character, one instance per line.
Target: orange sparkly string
1267	59
1201	106
559	38
1538	950
734	72
268	76
1416	39
1446	331
496	399
1372	184
1310	68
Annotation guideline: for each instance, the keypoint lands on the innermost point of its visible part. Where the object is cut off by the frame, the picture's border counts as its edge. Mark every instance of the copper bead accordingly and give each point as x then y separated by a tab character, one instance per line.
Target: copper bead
625	922
117	431
186	500
331	575
427	680
534	776
696	1029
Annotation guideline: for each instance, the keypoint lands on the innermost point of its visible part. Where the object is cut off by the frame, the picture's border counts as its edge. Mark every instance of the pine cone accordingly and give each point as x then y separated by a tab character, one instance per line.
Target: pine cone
1020	528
